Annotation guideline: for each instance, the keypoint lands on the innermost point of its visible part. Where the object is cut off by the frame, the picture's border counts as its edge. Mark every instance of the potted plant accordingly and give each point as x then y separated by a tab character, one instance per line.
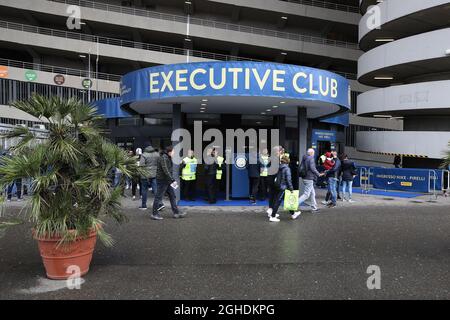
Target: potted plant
71	190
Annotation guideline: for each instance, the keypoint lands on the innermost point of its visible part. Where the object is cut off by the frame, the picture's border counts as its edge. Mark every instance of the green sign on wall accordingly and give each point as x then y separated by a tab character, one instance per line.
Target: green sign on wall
87	83
30	75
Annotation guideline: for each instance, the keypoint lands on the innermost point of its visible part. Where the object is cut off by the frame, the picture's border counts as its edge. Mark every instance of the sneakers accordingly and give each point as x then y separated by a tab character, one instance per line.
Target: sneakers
161	207
331	205
143	208
296	215
315	210
156	217
179	215
269	212
325	202
274	219
351	201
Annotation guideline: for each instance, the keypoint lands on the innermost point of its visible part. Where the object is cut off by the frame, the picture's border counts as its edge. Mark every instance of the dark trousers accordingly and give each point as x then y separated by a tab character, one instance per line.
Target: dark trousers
189	189
18	184
211	188
263	181
278	198
254	184
272	190
163	187
134	184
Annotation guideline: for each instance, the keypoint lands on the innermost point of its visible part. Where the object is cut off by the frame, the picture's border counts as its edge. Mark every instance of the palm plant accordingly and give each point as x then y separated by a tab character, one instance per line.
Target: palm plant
70	169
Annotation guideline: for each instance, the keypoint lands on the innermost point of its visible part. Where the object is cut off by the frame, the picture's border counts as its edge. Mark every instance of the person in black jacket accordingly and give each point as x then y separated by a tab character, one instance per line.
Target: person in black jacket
254	171
349	172
165	183
211	167
282	183
333	178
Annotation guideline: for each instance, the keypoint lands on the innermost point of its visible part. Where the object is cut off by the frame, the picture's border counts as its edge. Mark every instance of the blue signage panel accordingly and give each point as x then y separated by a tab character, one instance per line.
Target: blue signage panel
239	177
343	120
110	108
414	180
323	135
235	78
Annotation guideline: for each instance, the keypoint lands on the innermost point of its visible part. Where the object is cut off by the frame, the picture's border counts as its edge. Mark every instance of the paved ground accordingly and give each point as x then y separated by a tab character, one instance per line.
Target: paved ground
236	253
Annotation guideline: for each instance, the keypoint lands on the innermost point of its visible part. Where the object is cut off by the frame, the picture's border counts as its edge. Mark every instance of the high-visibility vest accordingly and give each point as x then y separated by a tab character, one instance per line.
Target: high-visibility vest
189	170
220	161
265	166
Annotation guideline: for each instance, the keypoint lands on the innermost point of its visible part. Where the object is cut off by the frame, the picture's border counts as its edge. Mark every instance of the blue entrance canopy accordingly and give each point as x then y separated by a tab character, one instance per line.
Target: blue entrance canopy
110	108
236	87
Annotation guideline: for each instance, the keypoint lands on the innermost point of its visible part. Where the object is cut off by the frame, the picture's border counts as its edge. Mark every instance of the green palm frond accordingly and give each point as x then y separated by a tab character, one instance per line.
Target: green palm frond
71	190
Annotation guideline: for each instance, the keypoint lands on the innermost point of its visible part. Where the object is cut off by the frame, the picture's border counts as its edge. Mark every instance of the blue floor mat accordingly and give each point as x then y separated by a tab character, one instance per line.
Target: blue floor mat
246	203
222	203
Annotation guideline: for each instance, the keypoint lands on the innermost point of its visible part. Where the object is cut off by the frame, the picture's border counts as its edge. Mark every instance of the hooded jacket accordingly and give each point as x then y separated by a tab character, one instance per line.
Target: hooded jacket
284	174
149	160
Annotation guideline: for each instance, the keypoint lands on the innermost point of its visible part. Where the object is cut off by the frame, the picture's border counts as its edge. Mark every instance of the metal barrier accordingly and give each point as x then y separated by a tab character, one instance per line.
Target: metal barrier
363	179
326	5
432	175
444	174
210	23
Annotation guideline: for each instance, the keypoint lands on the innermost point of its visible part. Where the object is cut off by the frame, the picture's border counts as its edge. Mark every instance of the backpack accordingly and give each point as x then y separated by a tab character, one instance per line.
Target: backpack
302	170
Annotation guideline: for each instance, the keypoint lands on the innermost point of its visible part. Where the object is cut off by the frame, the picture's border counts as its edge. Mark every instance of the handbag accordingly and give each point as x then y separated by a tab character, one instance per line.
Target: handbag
291	200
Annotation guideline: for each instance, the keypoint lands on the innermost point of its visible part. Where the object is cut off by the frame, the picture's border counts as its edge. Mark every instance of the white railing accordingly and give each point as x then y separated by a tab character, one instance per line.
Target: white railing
209	23
119	42
326	5
130	44
59	70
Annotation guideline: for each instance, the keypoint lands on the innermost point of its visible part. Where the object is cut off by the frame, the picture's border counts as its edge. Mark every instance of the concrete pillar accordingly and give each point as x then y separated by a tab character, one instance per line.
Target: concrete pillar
302	124
280	123
177	123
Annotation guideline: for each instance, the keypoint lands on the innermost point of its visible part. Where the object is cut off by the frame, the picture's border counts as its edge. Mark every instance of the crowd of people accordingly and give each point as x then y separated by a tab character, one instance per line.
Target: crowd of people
336	171
264	181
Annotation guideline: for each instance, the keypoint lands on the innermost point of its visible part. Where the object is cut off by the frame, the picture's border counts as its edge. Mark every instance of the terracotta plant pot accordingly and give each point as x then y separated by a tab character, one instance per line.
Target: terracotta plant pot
58	259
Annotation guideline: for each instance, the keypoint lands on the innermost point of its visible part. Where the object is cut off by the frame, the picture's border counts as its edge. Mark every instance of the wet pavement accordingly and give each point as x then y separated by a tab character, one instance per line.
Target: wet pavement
235	253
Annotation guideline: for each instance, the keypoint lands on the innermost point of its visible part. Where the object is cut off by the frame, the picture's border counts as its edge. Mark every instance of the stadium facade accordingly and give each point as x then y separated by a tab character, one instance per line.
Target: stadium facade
407	58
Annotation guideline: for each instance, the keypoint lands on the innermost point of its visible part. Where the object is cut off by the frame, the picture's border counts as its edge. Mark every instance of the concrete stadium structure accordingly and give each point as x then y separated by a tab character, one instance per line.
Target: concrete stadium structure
39	53
407	56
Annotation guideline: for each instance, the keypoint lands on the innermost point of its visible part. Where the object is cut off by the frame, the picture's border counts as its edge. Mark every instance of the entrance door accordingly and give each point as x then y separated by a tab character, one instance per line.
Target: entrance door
322	147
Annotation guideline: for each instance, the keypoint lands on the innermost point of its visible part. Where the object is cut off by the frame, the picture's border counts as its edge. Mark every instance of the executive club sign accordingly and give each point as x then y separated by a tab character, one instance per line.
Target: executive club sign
235	79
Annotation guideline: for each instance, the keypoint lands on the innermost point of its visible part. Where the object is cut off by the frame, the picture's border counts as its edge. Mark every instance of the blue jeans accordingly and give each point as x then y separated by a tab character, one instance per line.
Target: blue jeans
153	184
117	178
145	183
332	185
347	187
18	184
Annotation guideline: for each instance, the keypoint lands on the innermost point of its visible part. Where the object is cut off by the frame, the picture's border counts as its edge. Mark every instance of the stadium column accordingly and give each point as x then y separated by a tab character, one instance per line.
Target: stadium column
280	123
177	123
302	124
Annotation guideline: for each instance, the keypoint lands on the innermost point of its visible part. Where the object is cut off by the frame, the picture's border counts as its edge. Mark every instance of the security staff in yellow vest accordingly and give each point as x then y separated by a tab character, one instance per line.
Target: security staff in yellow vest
220	161
264	161
189	175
